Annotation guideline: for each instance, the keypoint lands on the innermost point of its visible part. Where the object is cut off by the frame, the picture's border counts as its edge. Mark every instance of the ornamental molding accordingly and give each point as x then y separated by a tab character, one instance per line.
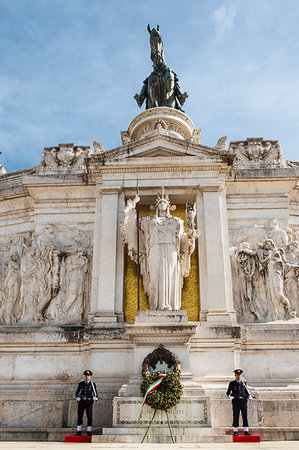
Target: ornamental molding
220	168
162	113
108	190
183	147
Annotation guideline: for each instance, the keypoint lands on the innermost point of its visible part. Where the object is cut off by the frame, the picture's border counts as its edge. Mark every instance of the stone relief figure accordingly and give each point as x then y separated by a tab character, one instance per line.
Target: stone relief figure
29	287
165	250
277	234
67	307
11	290
246	263
271	262
46	280
162	87
265	279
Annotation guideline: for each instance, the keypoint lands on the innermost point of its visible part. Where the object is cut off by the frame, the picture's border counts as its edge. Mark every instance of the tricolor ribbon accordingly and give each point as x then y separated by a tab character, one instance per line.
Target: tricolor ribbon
150	389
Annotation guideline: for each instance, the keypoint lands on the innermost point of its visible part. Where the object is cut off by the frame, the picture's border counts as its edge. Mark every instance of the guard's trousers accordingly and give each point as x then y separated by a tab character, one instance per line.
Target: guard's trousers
239	404
85	405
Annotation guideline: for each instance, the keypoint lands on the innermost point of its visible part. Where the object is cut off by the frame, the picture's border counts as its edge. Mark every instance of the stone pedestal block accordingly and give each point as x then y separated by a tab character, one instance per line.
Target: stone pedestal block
189	412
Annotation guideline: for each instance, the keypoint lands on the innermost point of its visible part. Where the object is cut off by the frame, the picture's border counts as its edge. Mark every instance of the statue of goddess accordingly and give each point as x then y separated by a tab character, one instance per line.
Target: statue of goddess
164	253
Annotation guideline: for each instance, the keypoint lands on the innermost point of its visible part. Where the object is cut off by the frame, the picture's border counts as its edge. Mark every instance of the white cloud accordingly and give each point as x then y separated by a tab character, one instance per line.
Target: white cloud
224	18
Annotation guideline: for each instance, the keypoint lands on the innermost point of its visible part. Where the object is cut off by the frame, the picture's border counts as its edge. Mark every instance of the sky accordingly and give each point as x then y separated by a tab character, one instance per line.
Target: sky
69	70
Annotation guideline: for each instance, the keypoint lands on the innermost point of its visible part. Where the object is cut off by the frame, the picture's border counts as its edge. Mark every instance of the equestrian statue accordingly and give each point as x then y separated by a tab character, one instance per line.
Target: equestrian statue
162	87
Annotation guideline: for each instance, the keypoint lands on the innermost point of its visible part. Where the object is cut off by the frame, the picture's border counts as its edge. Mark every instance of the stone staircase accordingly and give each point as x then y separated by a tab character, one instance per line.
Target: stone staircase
162	435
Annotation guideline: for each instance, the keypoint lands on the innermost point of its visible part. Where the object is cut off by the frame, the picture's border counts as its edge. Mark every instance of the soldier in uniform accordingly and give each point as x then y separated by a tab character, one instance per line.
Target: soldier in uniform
85	395
239	394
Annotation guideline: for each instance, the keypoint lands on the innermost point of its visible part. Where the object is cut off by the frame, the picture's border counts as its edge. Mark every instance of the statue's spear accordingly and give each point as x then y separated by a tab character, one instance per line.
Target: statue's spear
138	256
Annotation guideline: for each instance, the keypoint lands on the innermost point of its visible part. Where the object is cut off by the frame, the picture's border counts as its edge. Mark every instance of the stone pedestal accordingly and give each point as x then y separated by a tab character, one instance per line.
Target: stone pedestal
173	331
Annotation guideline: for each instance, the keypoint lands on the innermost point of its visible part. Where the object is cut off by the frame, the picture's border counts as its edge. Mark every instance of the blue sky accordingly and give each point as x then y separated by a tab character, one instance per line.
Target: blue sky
70	68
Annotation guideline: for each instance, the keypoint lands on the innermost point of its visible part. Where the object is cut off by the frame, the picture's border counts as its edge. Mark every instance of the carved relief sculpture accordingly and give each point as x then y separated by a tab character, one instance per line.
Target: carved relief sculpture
46	280
266	278
165	250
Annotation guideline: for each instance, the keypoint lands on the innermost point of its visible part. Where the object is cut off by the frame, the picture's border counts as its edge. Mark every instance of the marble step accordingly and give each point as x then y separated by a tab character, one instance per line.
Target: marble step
161	439
164	430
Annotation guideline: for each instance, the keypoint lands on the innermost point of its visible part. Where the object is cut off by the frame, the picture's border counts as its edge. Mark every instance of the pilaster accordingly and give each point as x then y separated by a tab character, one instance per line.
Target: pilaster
217	294
105	260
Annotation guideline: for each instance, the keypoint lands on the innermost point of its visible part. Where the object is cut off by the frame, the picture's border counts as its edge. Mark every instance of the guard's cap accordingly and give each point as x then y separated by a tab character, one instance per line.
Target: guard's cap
238	371
88	372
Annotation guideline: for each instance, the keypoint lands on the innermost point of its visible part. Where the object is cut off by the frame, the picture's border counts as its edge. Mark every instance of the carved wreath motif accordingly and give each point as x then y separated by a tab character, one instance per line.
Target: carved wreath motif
160	354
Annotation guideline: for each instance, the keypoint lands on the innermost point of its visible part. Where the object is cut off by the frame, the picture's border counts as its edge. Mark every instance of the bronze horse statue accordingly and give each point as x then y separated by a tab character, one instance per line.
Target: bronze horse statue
162	87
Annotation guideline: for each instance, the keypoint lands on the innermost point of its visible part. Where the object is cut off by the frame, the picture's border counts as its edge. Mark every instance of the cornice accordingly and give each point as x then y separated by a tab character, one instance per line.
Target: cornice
220	167
128	149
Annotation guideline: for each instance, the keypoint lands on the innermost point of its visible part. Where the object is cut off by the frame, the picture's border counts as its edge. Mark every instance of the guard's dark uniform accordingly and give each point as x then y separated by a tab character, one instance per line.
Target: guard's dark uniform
87	390
238	390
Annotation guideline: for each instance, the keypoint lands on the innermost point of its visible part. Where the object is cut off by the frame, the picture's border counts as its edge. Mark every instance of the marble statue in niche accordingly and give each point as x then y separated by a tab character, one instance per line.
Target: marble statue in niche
164	253
45	281
266	277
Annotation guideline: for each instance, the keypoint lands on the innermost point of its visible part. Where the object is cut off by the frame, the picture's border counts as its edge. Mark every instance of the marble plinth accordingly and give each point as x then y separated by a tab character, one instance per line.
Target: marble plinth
191	412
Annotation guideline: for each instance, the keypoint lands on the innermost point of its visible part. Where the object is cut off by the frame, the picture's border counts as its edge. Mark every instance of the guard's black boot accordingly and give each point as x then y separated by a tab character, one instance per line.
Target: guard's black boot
236	433
246	433
79	433
89	433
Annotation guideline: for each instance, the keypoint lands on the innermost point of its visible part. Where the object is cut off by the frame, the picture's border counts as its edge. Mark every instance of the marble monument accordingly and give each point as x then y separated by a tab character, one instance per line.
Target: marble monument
218	281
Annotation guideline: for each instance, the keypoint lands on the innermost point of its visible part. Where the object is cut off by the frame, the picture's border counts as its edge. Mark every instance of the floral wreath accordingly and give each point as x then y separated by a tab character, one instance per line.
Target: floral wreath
161	390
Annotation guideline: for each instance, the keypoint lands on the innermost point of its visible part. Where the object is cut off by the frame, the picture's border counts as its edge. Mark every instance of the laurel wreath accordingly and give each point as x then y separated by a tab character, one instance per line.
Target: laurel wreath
166	395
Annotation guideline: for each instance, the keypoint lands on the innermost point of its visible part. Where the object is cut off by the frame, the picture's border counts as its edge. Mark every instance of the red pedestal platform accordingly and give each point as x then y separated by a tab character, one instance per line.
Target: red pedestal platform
77	438
243	438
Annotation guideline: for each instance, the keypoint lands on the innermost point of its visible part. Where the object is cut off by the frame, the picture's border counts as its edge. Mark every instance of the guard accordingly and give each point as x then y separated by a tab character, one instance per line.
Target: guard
85	395
239	393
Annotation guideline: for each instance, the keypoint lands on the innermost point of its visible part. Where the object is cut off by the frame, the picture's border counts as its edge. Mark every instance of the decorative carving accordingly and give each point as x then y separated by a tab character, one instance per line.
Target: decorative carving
64	157
257	153
221	143
46	280
2	170
265	278
98	148
191	214
165	251
11	289
258	233
161	354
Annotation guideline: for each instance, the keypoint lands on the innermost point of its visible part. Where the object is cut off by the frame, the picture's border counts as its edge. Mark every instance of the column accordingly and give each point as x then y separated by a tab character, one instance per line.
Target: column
104	258
218	286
